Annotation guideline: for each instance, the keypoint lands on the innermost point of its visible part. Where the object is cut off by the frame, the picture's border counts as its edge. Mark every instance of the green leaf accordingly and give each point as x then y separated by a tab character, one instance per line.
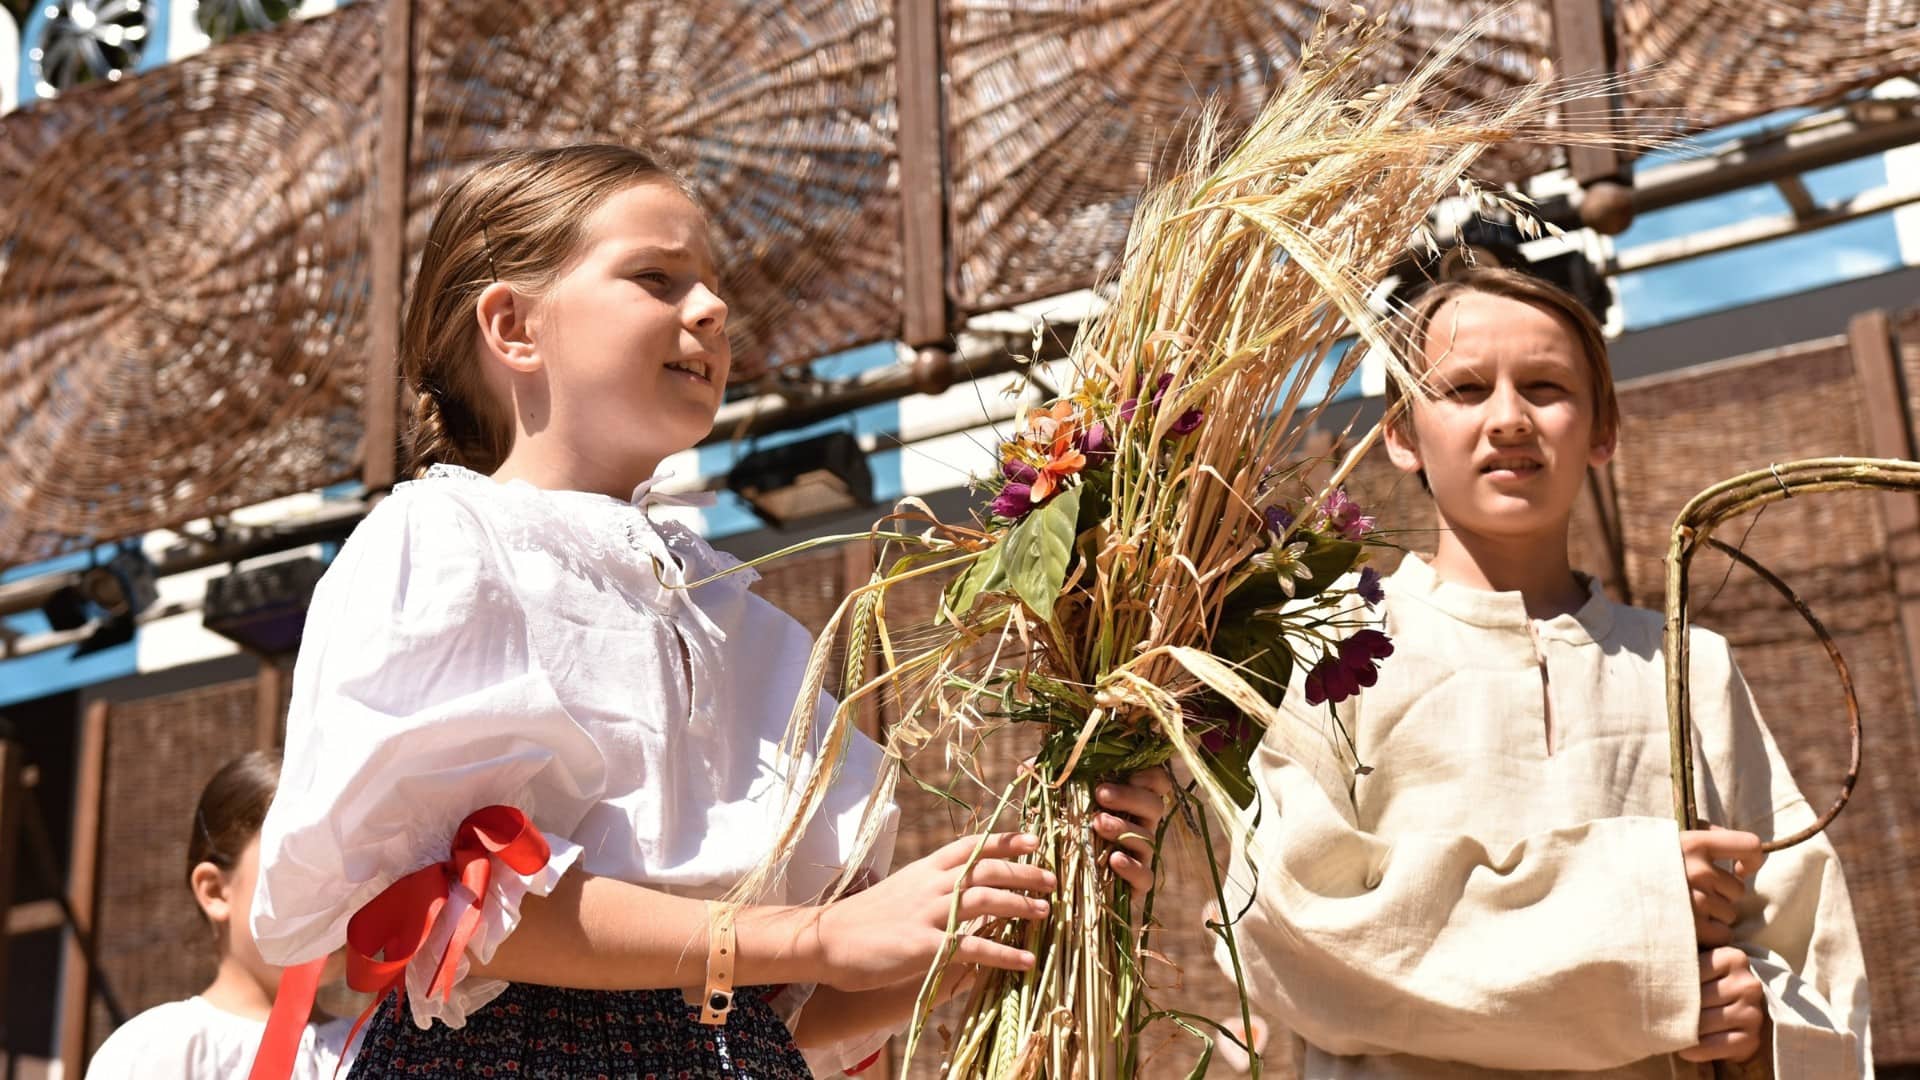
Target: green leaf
1232	766
1256	644
983	576
1329	558
1039	549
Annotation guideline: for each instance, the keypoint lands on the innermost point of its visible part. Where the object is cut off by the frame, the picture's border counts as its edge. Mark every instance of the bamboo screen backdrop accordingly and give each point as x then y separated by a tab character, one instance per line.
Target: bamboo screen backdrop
184	255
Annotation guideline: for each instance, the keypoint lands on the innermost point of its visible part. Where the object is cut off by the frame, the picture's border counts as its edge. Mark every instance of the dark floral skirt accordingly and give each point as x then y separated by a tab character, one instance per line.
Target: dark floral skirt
546	1033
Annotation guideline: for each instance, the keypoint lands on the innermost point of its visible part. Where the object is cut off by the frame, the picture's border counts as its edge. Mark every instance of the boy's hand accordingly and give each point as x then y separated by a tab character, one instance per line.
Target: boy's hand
1733	1008
1715	892
1135	810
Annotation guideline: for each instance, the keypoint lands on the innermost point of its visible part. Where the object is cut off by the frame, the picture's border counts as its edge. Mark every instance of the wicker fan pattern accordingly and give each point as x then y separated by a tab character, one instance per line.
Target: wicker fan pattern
1059	111
781	115
1717	61
183	277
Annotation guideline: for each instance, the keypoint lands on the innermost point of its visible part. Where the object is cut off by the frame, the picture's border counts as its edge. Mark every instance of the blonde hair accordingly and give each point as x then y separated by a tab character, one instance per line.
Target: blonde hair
516	218
1528	289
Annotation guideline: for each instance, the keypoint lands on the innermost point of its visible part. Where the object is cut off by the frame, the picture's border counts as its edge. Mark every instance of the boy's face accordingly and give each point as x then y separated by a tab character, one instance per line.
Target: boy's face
1509	435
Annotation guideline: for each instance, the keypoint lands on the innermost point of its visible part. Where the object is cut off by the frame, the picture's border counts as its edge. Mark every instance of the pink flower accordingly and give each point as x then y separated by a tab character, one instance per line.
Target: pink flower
1344	515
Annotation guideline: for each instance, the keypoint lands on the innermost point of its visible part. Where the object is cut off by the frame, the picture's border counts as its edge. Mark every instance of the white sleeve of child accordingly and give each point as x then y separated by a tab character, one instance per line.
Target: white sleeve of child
1796	922
416	701
1441	947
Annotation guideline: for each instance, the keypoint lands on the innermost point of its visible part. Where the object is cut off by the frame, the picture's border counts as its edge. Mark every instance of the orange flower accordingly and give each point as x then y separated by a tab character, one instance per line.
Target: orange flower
1056	430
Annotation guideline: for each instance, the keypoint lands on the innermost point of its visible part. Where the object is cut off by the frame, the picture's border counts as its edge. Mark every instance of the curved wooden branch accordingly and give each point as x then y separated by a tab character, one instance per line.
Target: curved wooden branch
1693	529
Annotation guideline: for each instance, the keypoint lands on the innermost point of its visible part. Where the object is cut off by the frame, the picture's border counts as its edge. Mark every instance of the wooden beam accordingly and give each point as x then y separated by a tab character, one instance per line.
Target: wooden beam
1883	397
13	788
922	136
383	387
1582	49
269	688
1824	139
1760	230
1799	199
76	987
33	917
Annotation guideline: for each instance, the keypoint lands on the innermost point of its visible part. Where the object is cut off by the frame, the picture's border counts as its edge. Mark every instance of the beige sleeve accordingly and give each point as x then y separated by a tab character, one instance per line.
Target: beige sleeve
1572	949
1796	924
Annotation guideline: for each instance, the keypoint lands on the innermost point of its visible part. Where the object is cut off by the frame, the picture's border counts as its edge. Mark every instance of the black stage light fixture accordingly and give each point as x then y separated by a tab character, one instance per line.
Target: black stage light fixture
264	608
789	483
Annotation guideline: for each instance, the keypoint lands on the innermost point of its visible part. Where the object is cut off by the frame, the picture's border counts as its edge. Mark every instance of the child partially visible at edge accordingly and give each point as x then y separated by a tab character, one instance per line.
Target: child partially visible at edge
1506	890
213	1034
504	636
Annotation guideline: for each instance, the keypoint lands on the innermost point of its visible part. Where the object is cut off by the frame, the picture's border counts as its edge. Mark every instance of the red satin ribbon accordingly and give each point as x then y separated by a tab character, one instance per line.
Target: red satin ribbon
395	925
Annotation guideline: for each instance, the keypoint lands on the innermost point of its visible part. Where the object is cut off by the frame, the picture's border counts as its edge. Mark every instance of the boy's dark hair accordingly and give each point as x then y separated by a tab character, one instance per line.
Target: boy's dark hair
1528	289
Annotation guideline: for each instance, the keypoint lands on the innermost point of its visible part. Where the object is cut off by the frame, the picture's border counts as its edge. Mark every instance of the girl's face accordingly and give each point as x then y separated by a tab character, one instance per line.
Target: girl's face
227	899
1508	438
632	338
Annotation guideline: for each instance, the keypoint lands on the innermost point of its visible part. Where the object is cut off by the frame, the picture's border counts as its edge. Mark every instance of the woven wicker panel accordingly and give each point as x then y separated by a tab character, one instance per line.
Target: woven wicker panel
25	135
181	305
154	945
1684	432
781	115
1717	61
1060	111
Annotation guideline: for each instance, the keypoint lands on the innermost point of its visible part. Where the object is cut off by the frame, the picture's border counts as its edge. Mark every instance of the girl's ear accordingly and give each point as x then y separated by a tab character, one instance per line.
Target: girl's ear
1402	450
504	327
209	884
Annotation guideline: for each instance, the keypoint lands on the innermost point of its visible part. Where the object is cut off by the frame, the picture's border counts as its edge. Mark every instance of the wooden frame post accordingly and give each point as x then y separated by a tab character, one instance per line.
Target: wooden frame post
923	189
1883	395
76	987
1582	40
384	392
12	794
269	687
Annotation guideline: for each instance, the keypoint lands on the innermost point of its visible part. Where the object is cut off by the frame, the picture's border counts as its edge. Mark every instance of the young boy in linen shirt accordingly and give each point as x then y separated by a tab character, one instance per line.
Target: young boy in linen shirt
1506	890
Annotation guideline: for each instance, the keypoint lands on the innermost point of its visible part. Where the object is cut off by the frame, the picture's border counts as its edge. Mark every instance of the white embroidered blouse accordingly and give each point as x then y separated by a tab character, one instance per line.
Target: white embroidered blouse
477	643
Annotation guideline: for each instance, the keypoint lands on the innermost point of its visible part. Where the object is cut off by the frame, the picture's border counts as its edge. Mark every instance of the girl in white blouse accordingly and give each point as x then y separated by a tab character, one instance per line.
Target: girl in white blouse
212	1035
516	644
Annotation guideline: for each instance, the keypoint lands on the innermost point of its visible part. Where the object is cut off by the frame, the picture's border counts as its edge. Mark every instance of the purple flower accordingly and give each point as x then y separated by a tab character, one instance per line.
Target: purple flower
1096	444
1331	681
1339	676
1370	588
1160	390
1365	646
1127	408
1188	421
1279	519
1344	515
1228	733
1019	472
1015	501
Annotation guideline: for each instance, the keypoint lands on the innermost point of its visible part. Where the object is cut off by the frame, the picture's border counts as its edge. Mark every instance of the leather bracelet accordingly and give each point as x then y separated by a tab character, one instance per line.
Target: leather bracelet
717	1001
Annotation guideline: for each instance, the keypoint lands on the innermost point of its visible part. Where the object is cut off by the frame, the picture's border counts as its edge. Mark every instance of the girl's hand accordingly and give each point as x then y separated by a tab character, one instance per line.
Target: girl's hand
893	932
1137	808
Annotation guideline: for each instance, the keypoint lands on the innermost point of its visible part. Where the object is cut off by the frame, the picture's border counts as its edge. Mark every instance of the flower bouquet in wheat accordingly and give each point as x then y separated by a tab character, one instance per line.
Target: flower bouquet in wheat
1149	570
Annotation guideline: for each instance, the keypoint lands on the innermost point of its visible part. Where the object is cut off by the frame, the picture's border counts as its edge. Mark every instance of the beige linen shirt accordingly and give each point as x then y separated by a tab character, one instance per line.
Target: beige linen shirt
1504	891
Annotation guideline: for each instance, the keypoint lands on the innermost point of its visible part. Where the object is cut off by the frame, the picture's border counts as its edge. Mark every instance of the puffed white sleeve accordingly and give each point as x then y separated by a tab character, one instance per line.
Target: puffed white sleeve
417	699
